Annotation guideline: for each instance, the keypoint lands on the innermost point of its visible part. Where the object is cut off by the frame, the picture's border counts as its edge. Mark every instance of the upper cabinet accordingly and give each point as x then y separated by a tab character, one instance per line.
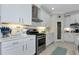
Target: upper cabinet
9	13
16	13
44	16
26	14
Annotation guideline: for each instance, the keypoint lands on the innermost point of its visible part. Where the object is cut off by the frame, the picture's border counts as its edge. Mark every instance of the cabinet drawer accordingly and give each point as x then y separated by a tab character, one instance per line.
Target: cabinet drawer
12	43
15	47
17	50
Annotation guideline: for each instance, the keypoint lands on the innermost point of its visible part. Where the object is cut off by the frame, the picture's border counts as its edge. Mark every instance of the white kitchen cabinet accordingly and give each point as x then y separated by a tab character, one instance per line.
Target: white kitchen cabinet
69	20
69	37
14	47
49	38
16	13
76	46
29	46
43	15
19	46
25	15
9	13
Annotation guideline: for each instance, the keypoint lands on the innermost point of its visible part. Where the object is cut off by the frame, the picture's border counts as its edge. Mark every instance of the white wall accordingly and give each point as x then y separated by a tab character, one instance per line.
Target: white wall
53	22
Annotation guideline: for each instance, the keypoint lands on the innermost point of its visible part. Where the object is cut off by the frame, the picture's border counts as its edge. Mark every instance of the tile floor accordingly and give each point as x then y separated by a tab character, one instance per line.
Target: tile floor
51	48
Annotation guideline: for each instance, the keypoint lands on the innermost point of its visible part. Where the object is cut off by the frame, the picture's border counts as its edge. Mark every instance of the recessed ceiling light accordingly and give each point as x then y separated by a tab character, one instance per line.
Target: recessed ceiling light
53	8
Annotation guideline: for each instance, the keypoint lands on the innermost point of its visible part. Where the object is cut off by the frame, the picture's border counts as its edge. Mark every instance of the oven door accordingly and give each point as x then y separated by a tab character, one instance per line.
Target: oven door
41	42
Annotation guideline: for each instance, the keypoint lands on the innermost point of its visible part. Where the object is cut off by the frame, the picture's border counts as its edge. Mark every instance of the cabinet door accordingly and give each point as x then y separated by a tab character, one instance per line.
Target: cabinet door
49	38
9	13
69	37
41	14
16	13
25	11
31	46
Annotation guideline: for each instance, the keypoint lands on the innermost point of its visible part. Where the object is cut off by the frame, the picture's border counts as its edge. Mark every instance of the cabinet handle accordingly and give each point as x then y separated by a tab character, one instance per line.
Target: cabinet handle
19	20
22	20
15	43
30	39
0	18
26	46
23	47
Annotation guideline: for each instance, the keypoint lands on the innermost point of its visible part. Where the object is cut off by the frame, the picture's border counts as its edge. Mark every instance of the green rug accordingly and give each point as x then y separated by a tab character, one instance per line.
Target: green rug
60	51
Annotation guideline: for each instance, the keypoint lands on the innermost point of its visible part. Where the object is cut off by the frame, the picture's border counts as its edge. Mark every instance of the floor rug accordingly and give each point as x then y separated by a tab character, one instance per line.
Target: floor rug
60	51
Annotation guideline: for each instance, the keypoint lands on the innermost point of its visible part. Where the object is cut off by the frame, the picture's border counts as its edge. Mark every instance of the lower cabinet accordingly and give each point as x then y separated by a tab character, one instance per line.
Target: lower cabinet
49	38
13	47
24	46
29	46
69	37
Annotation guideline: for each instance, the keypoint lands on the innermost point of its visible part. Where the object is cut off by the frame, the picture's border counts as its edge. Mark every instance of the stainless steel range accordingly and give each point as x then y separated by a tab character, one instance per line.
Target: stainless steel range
40	40
40	43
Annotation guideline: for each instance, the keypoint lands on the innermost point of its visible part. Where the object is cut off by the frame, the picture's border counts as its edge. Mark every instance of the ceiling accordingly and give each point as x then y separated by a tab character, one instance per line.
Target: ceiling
60	8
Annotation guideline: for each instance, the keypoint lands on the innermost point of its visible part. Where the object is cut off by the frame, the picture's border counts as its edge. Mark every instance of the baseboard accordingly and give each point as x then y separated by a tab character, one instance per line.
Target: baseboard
69	42
50	44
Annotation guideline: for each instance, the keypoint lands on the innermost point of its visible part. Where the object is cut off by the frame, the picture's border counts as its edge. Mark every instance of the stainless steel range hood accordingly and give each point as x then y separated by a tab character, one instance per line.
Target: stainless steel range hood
36	20
35	11
74	25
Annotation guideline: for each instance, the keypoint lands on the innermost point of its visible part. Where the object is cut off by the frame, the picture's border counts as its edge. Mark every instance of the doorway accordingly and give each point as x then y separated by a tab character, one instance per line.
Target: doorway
58	30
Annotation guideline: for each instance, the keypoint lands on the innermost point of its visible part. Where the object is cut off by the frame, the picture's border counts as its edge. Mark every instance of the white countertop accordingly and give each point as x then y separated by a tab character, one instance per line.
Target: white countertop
15	37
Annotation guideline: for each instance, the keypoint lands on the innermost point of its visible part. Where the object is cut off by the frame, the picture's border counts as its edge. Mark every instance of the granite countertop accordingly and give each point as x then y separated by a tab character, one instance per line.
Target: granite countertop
15	38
